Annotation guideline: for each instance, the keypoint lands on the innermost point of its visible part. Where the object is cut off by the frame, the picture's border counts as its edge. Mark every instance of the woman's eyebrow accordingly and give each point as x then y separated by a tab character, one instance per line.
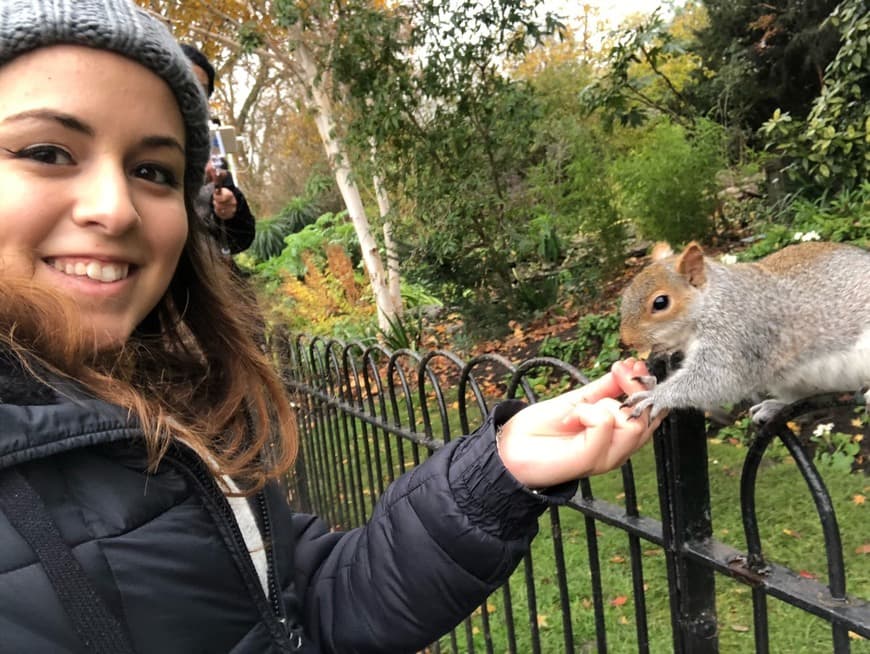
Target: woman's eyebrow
73	123
157	141
68	121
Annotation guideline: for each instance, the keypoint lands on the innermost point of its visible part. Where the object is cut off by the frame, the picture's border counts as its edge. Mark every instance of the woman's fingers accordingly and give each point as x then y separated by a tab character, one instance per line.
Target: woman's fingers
613	384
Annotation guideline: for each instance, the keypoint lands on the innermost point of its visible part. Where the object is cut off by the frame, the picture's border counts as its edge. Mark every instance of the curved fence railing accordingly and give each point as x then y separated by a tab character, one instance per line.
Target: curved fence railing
367	415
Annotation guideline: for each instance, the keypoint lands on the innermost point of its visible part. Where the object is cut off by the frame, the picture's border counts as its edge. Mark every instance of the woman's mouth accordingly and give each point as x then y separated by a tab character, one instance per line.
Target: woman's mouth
101	271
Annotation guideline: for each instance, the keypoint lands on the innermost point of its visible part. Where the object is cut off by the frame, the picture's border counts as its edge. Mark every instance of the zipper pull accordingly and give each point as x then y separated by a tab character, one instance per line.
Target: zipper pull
295	634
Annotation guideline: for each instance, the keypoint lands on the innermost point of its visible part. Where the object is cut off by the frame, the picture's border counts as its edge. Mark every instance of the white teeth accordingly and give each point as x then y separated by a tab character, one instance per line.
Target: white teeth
101	272
94	270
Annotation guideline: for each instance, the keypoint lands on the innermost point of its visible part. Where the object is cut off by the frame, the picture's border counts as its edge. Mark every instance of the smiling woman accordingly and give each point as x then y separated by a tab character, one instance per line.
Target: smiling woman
101	189
137	410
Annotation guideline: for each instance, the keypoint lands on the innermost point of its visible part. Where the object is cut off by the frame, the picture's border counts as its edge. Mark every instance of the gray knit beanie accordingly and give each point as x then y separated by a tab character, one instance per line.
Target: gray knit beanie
122	27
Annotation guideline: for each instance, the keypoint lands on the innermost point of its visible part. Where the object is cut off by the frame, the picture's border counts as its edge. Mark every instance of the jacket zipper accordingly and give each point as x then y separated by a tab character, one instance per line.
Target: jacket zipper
193	464
294	631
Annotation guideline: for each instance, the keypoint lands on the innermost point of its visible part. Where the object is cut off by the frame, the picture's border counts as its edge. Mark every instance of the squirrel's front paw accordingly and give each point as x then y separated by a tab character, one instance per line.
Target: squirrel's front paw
641	401
647	380
763	411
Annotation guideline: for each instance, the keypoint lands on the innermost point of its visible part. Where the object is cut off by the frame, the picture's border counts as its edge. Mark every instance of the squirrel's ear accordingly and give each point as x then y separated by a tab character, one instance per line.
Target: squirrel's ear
661	250
690	264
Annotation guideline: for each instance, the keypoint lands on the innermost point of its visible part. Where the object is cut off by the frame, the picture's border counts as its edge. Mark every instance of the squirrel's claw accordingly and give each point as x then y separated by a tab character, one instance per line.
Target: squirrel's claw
763	411
639	402
649	381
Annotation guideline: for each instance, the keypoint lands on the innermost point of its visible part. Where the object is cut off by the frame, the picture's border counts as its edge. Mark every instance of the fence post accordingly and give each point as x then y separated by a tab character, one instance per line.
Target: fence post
684	495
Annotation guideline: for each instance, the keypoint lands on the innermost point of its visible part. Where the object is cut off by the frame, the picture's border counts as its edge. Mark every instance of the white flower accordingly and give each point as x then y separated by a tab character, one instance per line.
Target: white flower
728	259
811	236
798	236
823	430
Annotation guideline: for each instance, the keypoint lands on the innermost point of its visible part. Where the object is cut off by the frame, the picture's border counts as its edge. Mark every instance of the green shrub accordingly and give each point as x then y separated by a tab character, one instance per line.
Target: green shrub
269	239
596	344
843	218
830	150
666	185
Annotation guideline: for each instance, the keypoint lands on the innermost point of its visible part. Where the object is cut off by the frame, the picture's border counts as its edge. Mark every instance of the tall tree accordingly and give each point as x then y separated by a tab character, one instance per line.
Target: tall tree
414	97
427	84
830	150
253	95
295	39
766	55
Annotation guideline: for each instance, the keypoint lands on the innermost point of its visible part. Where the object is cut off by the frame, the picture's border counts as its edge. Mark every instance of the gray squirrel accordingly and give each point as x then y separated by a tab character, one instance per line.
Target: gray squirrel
794	324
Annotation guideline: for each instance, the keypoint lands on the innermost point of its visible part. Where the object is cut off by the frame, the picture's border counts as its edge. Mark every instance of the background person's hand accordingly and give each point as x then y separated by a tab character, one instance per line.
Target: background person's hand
580	433
215	175
224	203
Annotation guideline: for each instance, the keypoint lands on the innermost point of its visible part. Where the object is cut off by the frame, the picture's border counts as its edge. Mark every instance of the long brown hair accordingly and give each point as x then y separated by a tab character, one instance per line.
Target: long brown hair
192	371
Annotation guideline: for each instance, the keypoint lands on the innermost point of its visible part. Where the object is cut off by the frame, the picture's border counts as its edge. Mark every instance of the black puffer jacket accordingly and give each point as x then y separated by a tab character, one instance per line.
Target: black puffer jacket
166	554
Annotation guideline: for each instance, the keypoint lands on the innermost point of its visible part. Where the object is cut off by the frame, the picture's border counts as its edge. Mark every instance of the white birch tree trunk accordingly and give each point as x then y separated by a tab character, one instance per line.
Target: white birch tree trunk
393	279
338	159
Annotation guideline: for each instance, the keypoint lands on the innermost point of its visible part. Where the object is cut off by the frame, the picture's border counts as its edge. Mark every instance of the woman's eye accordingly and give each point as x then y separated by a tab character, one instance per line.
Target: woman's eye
156	174
47	154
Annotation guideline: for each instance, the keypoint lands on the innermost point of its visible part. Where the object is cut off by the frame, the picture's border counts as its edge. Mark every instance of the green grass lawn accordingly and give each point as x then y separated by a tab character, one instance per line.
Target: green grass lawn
791	536
790	531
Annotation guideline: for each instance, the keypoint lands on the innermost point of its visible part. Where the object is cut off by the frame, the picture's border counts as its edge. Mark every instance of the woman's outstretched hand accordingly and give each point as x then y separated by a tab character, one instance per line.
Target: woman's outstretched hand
580	433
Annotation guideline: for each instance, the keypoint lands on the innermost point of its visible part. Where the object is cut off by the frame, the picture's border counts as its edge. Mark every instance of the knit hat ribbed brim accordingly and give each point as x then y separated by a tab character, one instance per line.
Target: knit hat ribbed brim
121	27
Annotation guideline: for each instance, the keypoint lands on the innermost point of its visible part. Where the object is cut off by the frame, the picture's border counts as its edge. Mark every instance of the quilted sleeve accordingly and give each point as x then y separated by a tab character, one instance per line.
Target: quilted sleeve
442	538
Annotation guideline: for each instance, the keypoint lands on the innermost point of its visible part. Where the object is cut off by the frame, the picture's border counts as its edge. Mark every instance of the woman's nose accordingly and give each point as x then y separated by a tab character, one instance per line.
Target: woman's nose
105	200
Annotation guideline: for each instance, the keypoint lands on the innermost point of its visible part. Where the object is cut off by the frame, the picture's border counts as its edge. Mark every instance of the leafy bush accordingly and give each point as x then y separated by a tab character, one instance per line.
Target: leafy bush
596	343
404	332
328	228
666	185
844	218
834	450
831	149
269	239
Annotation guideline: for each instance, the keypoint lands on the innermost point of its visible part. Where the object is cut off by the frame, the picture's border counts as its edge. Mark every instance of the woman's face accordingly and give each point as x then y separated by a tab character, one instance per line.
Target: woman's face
91	171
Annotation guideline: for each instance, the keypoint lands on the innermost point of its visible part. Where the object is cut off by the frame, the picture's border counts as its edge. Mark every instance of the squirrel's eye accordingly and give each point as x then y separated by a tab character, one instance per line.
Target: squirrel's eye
661	303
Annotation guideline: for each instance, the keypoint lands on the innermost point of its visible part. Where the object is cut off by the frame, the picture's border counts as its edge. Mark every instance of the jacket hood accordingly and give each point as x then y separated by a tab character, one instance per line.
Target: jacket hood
37	419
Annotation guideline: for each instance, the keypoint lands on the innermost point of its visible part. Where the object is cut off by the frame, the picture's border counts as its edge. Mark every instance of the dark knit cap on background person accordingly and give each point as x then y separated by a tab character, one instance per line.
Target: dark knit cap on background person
118	26
197	58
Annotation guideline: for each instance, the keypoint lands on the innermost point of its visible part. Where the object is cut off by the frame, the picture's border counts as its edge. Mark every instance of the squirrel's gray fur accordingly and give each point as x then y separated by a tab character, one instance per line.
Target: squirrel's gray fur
794	324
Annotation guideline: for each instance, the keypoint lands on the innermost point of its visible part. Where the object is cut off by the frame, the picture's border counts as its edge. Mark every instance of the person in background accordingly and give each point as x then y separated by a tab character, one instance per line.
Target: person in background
143	433
220	202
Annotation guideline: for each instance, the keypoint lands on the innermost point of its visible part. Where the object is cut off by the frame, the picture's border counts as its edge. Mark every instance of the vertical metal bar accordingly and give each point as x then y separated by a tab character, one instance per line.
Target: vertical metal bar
562	579
531	598
510	627
469	636
486	628
642	629
684	495
595	573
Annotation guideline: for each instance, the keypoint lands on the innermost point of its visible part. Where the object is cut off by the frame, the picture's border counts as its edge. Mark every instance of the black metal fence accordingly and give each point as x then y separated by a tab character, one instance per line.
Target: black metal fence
367	415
